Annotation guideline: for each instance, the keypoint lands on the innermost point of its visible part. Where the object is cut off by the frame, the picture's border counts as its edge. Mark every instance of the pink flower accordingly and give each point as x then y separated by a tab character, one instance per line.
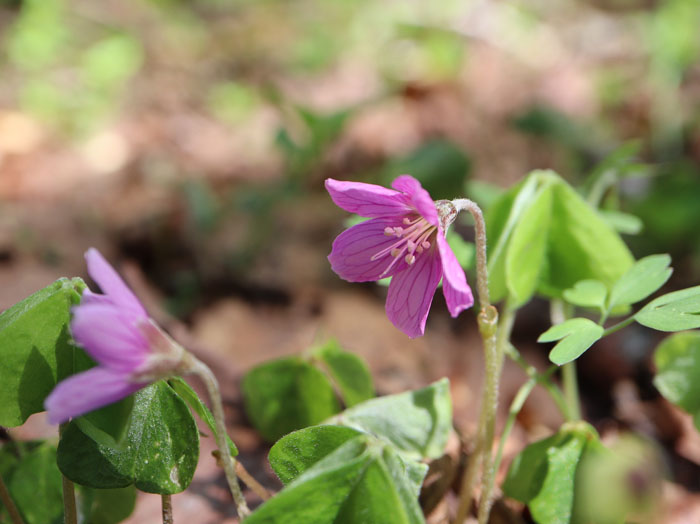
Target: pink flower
115	330
405	240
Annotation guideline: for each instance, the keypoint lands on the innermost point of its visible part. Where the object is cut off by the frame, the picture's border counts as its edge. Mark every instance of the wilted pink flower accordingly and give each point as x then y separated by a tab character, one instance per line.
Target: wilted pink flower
405	240
115	330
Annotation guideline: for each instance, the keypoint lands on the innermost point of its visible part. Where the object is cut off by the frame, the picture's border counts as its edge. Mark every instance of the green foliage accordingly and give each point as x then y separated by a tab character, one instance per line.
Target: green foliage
158	452
675	311
298	451
415	422
349	373
287	394
295	392
543	475
187	394
677	361
575	336
30	474
365	469
587	293
35	349
645	277
547	238
363	480
107	506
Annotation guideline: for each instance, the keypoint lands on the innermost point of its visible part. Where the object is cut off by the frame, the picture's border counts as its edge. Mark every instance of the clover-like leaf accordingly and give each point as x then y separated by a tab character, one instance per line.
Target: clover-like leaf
543	474
675	311
287	394
575	336
362	480
158	452
348	371
415	422
35	349
641	280
587	293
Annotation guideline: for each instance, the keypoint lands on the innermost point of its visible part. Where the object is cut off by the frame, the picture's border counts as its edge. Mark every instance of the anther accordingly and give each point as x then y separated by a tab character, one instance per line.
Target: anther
398	231
419	249
410	259
425	244
406	220
395	252
388	231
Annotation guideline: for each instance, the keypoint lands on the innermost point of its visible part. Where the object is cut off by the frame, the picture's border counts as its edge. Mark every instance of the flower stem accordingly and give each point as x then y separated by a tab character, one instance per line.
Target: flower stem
167	509
482	272
69	509
495	336
251	482
202	370
9	504
618	326
502	340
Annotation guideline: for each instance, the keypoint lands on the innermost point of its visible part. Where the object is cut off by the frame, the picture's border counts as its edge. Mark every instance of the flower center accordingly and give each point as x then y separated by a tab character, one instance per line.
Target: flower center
413	239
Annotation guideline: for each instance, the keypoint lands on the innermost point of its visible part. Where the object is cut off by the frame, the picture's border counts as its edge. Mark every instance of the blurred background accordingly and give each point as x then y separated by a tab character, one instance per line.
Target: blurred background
189	139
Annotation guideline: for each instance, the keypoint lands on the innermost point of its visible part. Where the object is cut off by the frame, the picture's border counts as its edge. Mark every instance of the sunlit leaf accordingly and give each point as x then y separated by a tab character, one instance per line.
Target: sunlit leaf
575	336
587	293
675	311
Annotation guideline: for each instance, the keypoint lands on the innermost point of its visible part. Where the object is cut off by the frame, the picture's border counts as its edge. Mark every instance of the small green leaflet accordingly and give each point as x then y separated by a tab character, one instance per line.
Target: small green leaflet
587	293
641	280
348	372
675	311
576	335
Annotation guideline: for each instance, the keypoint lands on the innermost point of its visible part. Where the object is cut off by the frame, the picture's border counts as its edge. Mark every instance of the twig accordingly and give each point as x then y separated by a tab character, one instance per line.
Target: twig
9	504
69	508
167	506
251	482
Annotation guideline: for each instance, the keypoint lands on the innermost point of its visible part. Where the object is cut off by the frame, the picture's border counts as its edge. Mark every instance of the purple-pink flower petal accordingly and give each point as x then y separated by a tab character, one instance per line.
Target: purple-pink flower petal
367	200
411	294
458	294
110	282
419	197
87	391
110	335
353	249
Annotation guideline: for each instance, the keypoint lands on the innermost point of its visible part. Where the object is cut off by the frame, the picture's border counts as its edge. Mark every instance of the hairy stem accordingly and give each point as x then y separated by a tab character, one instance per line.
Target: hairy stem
202	370
495	335
69	508
9	504
502	340
167	509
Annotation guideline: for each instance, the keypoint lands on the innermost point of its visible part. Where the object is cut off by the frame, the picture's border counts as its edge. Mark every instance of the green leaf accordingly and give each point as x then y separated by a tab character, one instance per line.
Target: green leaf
158	453
363	480
576	335
525	256
416	422
35	486
543	474
587	293
501	219
287	394
675	311
187	394
349	372
641	280
107	506
35	349
298	451
677	361
582	246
